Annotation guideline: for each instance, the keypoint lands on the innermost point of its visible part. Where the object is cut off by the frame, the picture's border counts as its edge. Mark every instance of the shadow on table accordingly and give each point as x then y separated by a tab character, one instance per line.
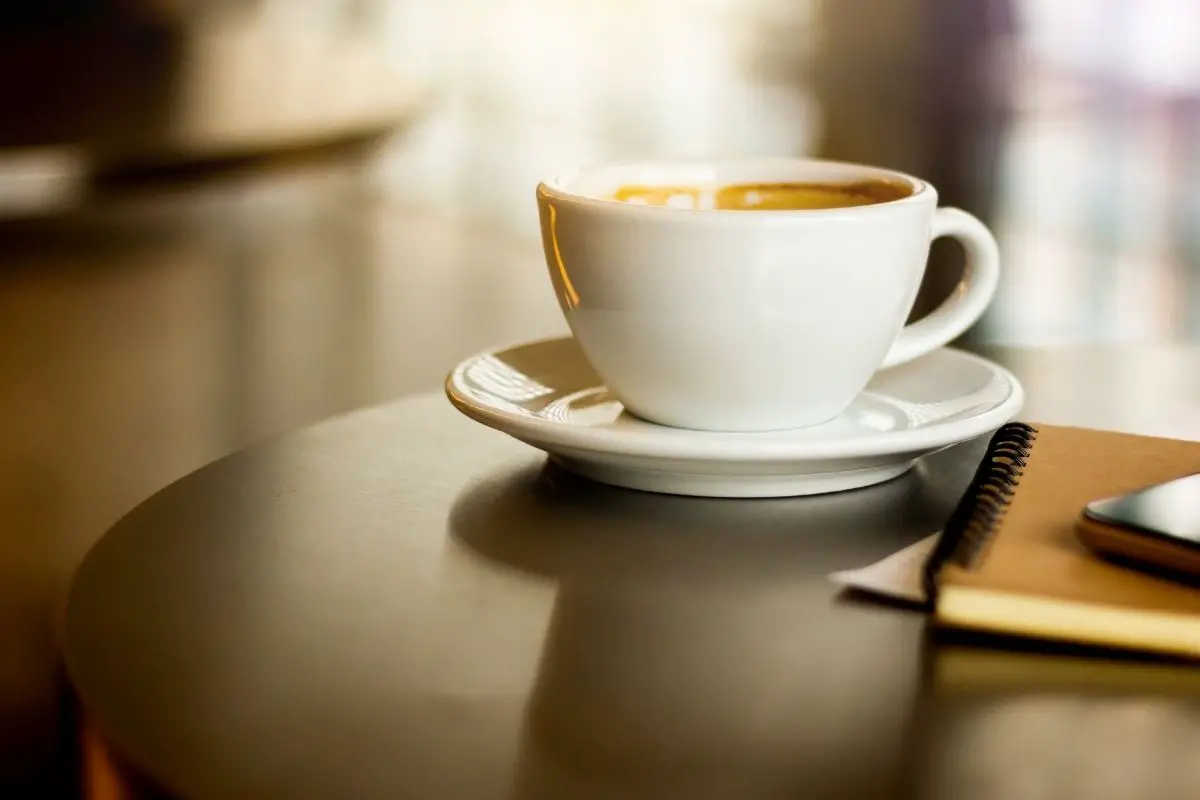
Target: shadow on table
547	521
695	645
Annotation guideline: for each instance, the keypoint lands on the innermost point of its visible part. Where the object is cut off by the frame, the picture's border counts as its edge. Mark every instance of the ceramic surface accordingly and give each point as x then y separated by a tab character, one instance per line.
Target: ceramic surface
547	395
750	320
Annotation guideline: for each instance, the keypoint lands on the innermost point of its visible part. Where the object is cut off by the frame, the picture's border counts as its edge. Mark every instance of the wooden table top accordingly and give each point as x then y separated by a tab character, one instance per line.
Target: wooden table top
401	603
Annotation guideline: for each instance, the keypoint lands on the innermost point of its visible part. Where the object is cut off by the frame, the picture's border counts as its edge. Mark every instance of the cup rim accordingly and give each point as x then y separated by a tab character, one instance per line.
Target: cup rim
555	187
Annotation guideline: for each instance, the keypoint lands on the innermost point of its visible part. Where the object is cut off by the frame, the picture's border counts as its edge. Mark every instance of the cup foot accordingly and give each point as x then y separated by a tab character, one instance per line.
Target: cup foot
746	423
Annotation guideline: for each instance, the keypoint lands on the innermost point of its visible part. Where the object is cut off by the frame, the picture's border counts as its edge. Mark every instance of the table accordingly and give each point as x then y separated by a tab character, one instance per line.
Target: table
401	603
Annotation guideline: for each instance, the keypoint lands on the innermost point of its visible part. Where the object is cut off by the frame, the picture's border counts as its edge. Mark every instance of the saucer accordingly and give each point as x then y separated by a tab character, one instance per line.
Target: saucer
546	394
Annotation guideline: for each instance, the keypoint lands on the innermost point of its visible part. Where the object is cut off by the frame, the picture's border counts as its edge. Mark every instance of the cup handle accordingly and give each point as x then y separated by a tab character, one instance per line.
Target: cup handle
970	297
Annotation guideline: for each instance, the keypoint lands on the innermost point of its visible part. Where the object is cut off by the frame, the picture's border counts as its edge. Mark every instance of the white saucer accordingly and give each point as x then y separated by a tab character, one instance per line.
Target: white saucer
546	394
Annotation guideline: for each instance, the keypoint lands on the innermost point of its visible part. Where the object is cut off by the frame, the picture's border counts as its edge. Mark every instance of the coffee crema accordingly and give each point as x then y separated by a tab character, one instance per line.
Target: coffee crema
767	196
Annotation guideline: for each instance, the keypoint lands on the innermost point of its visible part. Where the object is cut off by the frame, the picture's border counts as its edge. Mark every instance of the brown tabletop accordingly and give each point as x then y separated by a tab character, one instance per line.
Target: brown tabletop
401	603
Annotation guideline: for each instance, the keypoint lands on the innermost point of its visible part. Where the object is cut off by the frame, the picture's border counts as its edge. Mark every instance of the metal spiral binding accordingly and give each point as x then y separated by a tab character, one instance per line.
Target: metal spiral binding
970	527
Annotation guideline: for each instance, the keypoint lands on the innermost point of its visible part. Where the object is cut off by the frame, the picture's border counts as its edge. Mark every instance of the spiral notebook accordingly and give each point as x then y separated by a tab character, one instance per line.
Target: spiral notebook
1009	562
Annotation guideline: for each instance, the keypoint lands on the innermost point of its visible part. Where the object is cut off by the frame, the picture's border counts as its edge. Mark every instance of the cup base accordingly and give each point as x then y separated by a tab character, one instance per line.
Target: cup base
743	423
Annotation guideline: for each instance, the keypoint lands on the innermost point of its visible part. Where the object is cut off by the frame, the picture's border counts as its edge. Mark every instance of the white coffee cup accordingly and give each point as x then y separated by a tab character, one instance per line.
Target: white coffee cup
736	320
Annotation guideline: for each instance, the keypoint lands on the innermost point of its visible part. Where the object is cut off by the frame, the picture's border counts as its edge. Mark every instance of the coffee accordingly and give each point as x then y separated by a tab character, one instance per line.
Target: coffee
767	196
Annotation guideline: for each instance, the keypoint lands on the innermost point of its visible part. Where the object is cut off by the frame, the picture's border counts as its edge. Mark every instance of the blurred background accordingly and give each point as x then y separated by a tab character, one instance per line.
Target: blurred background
222	219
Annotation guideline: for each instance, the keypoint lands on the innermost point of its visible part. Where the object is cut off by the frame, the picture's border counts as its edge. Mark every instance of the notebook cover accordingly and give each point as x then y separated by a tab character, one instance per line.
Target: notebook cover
1026	546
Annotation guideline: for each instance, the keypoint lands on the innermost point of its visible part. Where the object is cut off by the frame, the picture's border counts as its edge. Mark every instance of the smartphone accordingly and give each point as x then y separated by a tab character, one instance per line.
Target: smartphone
1157	528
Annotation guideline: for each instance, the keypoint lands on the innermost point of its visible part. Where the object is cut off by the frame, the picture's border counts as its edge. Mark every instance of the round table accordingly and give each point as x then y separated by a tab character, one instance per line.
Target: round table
402	603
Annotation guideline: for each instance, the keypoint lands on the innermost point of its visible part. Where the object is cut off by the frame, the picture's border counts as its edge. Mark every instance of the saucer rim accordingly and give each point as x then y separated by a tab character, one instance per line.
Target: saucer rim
712	445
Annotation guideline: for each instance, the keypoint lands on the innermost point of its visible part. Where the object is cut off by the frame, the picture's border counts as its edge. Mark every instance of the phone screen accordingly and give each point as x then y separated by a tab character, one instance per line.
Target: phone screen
1169	510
